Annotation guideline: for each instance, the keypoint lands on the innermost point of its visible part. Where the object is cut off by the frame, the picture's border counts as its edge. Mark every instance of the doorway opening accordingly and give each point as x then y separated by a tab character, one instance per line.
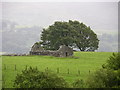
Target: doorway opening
66	54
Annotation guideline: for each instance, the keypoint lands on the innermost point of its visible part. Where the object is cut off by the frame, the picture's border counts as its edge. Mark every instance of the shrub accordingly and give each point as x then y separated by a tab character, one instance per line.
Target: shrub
79	84
113	62
103	78
108	76
32	78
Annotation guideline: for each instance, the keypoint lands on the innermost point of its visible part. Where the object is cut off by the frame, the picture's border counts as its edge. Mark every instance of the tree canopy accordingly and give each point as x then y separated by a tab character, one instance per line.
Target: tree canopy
72	33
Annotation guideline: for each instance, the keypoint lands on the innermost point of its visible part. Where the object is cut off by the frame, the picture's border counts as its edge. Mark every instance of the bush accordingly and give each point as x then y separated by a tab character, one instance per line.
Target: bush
79	84
113	62
103	78
108	76
32	78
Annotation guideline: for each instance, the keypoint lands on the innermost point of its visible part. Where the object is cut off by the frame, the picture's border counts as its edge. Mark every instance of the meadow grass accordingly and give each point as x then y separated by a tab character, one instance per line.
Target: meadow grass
0	72
82	61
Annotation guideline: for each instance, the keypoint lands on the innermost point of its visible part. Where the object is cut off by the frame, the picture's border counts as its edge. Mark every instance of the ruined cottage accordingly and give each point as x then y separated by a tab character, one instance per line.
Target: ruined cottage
63	51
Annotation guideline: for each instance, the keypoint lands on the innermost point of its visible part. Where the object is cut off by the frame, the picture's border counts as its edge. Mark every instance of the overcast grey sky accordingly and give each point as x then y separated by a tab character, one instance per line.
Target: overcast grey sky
102	17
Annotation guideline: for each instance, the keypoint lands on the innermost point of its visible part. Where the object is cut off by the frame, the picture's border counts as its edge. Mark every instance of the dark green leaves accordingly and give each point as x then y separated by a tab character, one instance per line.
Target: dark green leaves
72	33
32	78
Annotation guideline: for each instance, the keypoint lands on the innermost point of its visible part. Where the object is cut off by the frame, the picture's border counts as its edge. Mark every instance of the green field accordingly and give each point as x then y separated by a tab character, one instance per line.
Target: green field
0	72
83	61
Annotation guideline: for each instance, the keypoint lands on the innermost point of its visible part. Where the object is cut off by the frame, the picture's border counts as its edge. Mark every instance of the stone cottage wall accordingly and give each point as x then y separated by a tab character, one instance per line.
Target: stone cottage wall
64	51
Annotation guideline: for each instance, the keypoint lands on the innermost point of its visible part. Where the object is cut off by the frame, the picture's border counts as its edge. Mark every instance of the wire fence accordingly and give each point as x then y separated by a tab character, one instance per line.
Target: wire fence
58	71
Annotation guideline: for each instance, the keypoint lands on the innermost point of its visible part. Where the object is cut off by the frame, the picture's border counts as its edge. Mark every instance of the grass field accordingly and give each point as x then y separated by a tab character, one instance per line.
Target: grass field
85	62
0	72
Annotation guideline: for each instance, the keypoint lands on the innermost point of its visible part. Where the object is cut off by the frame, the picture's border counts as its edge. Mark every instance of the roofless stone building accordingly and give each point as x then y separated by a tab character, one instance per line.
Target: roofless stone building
63	51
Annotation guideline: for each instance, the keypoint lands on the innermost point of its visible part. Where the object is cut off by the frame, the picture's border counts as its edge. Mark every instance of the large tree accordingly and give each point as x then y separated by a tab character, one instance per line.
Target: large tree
72	33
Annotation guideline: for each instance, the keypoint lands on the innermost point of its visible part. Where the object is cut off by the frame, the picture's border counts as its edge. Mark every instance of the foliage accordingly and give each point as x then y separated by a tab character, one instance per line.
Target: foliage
79	84
103	78
86	61
32	78
72	33
113	62
108	76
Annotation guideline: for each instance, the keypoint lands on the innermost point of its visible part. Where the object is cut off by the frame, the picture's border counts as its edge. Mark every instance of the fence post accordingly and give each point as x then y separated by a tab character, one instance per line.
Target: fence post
57	70
46	69
78	72
89	71
26	67
15	67
3	82
68	71
4	67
